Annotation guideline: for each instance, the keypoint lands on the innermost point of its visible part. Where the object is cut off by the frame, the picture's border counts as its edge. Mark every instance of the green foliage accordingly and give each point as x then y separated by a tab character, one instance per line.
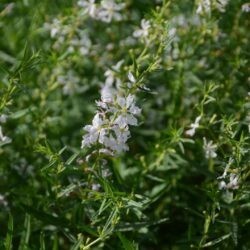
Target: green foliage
184	183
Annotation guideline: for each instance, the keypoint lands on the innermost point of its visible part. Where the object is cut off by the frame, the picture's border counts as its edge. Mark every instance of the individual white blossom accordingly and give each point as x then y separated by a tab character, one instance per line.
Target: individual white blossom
109	10
53	27
144	30
3	139
209	149
204	6
245	7
95	131
127	111
193	127
89	7
112	82
95	186
3	201
3	118
221	5
111	75
131	77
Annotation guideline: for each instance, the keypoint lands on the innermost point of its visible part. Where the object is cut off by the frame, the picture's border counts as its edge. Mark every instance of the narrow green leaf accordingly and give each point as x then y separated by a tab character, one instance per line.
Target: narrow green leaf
42	243
72	158
216	241
78	243
127	245
9	236
26	234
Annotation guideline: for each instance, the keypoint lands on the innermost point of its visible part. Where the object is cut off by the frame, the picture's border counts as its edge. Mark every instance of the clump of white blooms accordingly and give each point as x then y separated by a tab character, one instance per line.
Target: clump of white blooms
230	181
245	7
23	168
205	6
209	149
117	111
3	139
69	81
106	11
75	40
144	29
193	127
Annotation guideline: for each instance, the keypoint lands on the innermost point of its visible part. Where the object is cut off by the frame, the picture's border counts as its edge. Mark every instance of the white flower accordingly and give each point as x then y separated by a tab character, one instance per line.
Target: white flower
89	7
95	186
204	7
144	30
193	127
127	109
111	78
233	182
245	7
209	149
69	81
4	139
3	201
107	95
110	128
95	131
221	5
3	118
110	10
117	143
83	44
108	91
54	28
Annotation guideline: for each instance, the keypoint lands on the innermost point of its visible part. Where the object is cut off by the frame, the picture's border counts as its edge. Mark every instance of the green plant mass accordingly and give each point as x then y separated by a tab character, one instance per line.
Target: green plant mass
124	124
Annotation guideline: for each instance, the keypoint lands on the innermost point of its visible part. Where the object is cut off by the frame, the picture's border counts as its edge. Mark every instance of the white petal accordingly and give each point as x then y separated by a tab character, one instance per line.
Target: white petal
121	101
131	77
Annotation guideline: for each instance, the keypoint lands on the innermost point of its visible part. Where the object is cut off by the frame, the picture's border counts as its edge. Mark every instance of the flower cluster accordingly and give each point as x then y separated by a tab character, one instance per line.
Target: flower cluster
110	126
230	181
106	11
64	36
69	80
205	6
